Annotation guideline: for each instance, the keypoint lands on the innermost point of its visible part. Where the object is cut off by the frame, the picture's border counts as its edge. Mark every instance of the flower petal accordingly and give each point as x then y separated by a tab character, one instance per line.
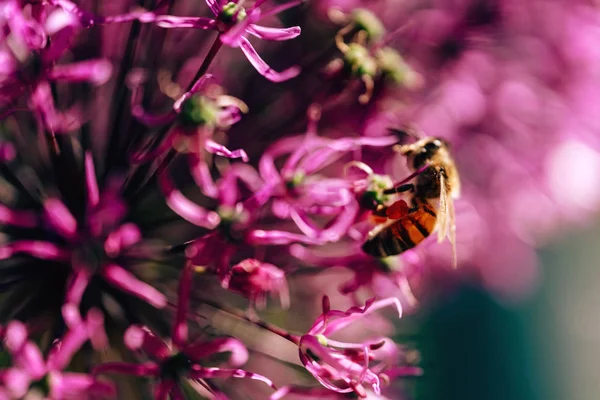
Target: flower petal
171	21
208	373
69	385
93	71
260	237
214	148
185	208
127	282
138	337
278	34
262	67
35	248
60	218
18	218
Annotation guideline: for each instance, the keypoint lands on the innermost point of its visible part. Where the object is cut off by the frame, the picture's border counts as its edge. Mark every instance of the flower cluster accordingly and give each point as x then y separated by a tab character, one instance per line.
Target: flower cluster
200	209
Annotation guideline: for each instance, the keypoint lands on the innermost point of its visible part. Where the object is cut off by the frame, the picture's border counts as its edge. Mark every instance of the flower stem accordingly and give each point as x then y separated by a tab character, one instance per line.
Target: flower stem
265	325
139	177
210	56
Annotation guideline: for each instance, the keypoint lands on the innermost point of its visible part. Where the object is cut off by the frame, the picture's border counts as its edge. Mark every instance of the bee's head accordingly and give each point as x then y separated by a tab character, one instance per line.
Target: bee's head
423	151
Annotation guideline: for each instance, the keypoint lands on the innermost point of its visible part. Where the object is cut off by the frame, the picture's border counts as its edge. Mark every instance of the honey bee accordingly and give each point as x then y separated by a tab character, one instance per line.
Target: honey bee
436	184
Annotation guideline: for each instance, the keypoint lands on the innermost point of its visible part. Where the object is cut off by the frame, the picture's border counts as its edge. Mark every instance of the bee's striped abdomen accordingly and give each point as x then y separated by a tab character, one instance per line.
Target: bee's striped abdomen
403	234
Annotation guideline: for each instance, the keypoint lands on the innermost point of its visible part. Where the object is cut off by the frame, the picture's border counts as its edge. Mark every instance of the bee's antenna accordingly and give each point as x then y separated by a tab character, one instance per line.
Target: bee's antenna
405	132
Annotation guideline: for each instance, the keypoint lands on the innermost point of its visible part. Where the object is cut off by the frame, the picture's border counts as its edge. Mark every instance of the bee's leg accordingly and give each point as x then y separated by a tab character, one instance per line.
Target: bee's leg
407	187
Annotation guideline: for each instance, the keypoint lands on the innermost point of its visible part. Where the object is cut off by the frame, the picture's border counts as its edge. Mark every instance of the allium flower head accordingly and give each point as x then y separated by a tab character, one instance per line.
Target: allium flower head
33	377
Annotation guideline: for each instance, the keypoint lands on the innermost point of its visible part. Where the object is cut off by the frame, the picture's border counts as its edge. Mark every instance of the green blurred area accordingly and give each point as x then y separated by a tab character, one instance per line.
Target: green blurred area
474	347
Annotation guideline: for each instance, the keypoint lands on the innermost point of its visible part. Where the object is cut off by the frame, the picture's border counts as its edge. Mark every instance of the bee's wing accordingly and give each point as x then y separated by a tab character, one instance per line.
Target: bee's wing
452	230
442	215
446	219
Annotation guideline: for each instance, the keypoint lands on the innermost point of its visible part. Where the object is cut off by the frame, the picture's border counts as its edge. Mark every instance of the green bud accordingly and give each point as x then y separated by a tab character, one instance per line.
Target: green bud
322	340
229	11
358	59
198	111
393	66
366	21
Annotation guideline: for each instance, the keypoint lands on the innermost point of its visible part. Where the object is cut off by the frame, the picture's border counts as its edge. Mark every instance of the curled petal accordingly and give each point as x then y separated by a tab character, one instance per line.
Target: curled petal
213	147
138	337
185	208
170	21
208	373
196	87
201	175
127	282
239	354
335	231
262	67
260	237
266	33
93	71
324	325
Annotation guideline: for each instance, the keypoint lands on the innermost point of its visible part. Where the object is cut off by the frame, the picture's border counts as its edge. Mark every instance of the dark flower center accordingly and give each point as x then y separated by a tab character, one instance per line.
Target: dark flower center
42	385
31	68
90	253
231	219
176	366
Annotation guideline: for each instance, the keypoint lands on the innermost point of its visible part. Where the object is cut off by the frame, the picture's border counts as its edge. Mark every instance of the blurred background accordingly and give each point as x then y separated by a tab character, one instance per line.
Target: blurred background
546	346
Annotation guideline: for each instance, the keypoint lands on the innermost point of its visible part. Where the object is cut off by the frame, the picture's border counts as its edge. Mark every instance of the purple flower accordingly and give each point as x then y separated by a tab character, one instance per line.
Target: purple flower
181	360
254	279
31	375
366	56
346	367
301	191
94	247
232	21
28	55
